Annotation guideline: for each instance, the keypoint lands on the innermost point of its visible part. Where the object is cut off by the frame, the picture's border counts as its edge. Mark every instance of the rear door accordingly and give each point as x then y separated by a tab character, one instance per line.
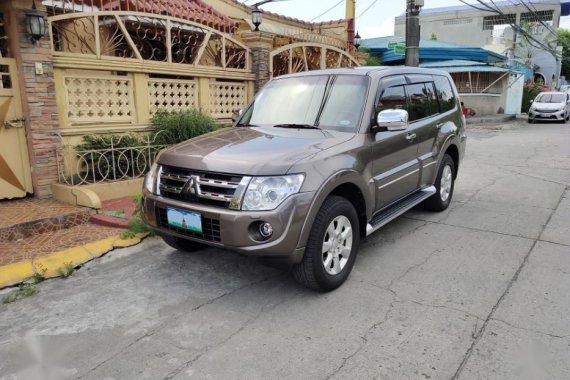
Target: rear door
424	123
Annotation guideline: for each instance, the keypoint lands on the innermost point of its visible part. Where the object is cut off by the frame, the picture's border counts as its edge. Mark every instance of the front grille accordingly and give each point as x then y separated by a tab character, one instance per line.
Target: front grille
210	227
546	111
214	189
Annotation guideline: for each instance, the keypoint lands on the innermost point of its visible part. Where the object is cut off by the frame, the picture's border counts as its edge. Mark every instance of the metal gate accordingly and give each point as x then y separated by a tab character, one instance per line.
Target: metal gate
306	56
15	176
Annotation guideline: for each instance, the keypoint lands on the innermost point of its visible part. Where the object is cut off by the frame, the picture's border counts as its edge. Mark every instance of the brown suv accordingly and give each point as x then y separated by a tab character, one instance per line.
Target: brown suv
317	161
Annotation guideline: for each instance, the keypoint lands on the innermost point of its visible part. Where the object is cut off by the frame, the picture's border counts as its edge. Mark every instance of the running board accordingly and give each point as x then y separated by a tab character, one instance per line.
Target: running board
392	212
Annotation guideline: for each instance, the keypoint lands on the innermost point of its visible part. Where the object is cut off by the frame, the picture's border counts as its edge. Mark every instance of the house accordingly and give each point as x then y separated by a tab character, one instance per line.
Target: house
466	25
107	66
482	81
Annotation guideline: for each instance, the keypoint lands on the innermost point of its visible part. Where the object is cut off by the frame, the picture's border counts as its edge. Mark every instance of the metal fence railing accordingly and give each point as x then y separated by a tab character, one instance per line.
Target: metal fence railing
114	163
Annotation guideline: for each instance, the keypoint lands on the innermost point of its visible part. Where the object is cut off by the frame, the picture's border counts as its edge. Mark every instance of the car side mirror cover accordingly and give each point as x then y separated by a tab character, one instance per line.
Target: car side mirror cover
392	120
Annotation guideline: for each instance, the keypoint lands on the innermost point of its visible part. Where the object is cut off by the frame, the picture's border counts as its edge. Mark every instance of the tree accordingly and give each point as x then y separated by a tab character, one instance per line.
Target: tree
564	41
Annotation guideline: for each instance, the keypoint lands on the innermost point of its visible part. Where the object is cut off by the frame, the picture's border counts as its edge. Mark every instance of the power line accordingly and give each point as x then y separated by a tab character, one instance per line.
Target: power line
328	10
367	8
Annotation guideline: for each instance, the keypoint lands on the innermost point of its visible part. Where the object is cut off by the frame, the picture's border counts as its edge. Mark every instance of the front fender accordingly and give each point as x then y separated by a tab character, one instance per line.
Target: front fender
340	178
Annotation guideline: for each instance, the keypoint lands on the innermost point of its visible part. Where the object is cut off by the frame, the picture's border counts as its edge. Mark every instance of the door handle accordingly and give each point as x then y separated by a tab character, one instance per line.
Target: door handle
410	137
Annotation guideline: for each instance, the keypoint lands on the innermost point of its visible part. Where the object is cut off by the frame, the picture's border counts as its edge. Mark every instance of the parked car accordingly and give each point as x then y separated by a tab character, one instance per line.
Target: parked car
550	106
315	163
565	88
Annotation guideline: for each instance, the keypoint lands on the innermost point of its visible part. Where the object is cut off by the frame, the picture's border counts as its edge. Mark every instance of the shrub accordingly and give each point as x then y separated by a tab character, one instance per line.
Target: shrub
530	91
174	127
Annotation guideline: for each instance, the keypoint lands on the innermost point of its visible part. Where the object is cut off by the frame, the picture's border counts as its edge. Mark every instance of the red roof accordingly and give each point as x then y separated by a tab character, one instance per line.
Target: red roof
192	10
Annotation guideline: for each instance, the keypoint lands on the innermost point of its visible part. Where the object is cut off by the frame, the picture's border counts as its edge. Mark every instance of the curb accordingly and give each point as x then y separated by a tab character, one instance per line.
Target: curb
48	266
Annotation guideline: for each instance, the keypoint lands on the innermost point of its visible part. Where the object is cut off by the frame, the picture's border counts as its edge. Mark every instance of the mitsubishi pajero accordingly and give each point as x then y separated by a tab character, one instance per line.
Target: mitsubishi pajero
316	162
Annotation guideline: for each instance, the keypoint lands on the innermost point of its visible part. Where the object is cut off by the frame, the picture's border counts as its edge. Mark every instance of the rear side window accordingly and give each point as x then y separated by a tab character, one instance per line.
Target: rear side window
393	98
445	95
422	101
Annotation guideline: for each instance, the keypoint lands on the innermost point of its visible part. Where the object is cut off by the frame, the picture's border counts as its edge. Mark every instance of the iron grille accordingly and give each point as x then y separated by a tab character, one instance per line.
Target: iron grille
210	227
191	186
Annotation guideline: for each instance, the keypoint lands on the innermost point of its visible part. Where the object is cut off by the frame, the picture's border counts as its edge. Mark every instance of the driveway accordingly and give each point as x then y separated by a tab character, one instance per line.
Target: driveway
480	291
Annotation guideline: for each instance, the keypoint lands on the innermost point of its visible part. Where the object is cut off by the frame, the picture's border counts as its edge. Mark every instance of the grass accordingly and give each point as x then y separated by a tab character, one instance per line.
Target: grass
136	224
66	270
24	290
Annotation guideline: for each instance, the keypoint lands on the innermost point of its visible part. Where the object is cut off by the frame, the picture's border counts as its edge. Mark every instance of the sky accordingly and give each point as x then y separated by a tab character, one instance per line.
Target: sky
374	18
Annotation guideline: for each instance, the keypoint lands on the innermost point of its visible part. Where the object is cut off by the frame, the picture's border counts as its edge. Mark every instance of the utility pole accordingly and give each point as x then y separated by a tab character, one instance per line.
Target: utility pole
413	32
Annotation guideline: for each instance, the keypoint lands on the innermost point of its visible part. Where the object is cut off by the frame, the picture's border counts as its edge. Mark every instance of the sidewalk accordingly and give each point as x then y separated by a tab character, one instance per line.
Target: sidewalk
42	236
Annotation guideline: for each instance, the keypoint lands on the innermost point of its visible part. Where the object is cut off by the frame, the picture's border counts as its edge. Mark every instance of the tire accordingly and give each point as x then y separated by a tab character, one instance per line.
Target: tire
441	199
337	215
530	121
183	244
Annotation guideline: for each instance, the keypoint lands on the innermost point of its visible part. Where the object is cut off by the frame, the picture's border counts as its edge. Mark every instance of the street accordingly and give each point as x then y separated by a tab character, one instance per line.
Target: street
480	291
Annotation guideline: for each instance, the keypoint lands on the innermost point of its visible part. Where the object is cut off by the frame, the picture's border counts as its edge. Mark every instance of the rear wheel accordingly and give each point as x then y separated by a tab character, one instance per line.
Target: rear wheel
332	246
444	184
183	244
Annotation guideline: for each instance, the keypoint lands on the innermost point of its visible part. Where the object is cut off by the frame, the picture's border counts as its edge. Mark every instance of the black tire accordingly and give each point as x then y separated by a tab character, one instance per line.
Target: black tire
530	121
435	202
311	271
183	244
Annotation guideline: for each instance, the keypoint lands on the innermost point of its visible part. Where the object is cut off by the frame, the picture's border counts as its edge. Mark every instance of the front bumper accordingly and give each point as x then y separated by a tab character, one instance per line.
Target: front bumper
231	229
552	116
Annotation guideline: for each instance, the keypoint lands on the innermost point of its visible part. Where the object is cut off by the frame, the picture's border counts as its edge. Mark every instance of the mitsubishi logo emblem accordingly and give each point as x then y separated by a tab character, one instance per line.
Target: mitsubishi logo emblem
192	187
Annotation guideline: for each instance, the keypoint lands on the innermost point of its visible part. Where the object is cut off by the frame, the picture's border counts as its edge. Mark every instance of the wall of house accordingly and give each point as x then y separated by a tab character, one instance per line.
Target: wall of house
466	26
486	104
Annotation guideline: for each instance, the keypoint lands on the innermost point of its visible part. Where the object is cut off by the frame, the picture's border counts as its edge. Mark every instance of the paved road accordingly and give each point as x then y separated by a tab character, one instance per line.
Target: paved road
480	291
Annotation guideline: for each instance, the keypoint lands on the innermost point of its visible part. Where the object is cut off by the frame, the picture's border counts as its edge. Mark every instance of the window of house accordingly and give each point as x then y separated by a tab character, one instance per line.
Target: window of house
537	16
489	22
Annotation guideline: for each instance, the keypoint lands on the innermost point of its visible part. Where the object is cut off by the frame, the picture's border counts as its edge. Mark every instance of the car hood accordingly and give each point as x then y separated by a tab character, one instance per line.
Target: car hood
251	151
548	106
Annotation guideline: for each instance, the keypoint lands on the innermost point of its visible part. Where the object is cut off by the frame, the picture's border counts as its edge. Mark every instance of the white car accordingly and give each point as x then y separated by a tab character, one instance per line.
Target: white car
550	106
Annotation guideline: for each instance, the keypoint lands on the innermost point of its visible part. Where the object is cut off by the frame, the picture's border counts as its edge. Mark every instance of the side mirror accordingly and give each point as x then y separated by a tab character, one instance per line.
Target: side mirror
531	101
392	120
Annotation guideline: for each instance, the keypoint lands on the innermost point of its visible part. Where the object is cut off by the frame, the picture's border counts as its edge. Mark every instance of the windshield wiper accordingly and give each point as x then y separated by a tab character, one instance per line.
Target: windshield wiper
297	126
246	125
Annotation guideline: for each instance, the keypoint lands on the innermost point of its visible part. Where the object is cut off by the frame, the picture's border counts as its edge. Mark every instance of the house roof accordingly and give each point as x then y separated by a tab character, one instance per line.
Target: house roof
497	4
431	51
291	19
192	10
463	66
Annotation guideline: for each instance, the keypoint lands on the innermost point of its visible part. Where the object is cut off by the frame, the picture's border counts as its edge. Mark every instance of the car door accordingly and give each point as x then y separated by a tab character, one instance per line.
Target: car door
425	124
395	165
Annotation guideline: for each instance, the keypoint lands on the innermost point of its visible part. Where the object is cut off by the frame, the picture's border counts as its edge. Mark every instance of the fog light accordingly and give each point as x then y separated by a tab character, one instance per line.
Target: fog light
265	230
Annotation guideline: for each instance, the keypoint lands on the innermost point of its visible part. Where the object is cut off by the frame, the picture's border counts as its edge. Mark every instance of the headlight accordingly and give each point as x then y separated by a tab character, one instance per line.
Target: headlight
150	179
266	193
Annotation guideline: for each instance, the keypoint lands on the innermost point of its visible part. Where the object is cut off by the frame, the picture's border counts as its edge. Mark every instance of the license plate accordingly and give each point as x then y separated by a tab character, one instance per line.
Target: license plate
187	220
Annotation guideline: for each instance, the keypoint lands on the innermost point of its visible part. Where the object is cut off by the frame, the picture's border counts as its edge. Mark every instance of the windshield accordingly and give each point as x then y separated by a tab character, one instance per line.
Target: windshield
550	98
323	101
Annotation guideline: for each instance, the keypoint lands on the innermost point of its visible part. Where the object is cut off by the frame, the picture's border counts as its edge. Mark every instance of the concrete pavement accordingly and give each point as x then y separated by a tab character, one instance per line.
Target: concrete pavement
480	291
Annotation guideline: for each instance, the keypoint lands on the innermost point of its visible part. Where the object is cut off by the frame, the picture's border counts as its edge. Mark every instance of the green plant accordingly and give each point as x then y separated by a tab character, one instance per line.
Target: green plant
371	59
530	91
66	270
433	37
10	298
24	290
136	224
40	274
173	127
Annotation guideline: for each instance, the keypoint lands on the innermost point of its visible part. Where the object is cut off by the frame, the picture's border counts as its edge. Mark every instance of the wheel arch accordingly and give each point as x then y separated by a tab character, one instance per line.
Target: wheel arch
349	185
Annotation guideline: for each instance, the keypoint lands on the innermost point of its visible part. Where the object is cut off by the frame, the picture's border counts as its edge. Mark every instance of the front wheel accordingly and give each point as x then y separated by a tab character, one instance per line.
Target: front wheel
331	248
444	184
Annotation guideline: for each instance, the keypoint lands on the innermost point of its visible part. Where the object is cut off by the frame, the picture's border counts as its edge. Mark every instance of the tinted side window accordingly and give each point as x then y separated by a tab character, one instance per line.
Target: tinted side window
419	101
393	98
444	93
432	100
